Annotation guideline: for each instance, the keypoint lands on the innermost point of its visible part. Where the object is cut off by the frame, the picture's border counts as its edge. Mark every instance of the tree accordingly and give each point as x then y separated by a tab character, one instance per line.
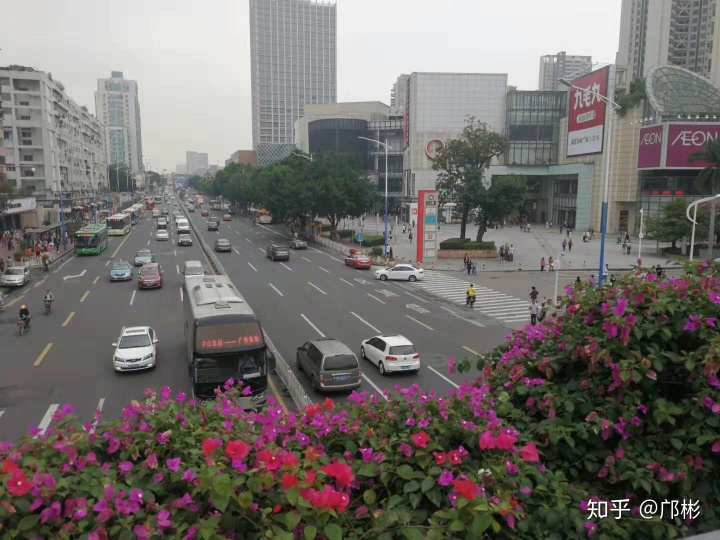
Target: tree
7	192
708	179
463	163
505	196
672	225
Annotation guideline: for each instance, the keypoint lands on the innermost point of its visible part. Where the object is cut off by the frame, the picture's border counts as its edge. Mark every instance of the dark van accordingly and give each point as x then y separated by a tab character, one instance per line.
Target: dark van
330	364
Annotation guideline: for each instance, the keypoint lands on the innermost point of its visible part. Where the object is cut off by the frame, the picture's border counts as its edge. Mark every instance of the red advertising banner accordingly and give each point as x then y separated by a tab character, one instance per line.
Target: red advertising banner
685	139
586	113
651	147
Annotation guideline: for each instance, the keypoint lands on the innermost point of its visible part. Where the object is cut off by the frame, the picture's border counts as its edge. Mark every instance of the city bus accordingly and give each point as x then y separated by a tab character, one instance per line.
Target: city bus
118	225
223	340
149	203
92	239
263	216
157	199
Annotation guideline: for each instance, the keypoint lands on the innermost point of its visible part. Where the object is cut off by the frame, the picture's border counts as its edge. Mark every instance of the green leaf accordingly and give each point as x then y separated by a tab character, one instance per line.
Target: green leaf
245	499
479	525
677	443
405	472
434	496
412	534
221	491
292	519
427	484
310	532
369	496
292	495
333	532
28	522
456	526
411	487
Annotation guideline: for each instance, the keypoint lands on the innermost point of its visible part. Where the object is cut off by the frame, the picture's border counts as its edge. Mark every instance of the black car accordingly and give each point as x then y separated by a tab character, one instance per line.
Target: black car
184	239
275	252
213	225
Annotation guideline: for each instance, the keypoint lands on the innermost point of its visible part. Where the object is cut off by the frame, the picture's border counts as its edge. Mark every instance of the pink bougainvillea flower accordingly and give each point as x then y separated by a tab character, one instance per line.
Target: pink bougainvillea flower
18	484
529	452
716	446
590	527
446	478
237	449
328	404
141	531
125	466
620	308
465	488
209	445
505	441
173	464
406	449
164	437
99	534
642	408
163	519
714	297
341	472
487	441
289	480
510	467
692	324
367	454
420	439
454	457
440	458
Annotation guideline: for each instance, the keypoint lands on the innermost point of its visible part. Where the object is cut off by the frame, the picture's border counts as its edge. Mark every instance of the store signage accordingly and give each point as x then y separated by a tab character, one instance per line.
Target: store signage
433	148
586	115
650	148
426	247
669	146
15	206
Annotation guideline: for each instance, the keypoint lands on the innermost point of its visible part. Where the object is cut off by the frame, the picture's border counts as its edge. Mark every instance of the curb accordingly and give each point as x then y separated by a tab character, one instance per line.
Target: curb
214	261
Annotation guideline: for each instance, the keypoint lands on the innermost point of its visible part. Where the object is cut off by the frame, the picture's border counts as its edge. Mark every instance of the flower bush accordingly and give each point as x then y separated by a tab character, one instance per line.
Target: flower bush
620	391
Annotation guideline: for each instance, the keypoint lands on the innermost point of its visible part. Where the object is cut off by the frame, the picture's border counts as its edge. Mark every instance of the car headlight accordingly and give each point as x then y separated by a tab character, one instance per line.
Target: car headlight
117	359
148	357
258	397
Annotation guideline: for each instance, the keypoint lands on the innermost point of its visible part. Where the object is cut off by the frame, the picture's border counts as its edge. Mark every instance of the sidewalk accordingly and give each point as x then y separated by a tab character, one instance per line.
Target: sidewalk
4	252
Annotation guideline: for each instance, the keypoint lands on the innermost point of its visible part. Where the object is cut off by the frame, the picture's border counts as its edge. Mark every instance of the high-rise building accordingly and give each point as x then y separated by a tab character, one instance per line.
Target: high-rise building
196	162
561	66
117	105
670	32
293	46
52	144
181	168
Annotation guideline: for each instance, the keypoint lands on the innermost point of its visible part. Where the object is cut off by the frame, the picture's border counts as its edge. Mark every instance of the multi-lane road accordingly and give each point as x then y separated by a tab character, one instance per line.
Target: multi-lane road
66	357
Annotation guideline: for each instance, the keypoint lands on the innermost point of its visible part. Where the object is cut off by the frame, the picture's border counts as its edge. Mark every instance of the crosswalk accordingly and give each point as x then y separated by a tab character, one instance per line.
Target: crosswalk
489	302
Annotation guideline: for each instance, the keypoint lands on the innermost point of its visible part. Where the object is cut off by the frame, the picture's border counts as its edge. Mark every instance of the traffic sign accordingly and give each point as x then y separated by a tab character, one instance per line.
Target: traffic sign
360	237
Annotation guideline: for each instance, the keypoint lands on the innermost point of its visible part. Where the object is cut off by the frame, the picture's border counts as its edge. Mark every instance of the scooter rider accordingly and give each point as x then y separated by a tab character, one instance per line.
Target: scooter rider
470	295
48	299
24	315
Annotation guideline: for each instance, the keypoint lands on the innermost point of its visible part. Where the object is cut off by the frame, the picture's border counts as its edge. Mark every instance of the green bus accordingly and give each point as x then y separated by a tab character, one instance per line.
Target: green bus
91	239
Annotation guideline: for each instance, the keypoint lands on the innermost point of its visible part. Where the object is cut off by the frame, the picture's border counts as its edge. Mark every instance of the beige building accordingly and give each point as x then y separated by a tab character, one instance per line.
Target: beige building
242	157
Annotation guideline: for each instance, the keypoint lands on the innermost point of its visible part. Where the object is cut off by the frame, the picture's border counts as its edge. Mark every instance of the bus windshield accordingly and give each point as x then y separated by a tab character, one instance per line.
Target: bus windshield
86	240
246	364
115	224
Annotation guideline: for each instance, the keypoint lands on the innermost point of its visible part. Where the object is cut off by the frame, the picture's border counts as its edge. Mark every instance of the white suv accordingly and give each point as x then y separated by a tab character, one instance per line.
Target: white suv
391	353
135	349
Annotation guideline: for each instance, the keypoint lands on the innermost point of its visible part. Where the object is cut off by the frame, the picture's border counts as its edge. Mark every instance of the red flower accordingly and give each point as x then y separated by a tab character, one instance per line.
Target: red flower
209	445
310	477
277	509
466	488
341	472
505	441
440	457
289	480
328	498
529	452
487	441
18	484
9	466
290	460
454	457
420	439
237	449
269	460
328	404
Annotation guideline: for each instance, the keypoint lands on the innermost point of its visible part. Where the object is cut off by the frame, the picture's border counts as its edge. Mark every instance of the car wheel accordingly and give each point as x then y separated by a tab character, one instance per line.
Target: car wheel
412	278
383	277
362	353
381	369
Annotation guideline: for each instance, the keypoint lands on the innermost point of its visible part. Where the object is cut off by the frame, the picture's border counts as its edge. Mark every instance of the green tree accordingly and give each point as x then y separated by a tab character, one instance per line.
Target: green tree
505	196
708	180
672	225
7	192
462	163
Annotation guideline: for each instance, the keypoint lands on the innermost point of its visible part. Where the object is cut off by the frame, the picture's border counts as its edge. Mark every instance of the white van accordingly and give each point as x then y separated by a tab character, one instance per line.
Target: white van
193	268
183	225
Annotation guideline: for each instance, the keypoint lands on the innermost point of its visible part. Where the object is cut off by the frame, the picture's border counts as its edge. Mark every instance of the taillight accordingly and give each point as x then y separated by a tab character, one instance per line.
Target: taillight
322	378
416	357
391	358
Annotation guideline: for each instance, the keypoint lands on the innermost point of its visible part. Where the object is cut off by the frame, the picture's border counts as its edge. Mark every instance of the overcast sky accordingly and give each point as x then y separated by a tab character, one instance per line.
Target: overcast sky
191	58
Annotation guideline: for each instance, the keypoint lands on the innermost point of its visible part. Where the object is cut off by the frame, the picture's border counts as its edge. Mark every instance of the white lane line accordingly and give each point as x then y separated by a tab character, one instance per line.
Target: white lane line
318	288
308	260
251	266
63	264
363	320
443	376
45	422
148	243
1	413
321	268
420	322
248	240
313	326
238	233
261	250
236	251
175	252
286	266
181	294
276	289
341	279
132	298
462	318
98	409
375	386
177	269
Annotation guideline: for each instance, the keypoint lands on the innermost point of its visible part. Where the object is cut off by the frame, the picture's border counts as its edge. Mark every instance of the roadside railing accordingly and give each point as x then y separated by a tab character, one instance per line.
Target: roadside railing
37	261
337	246
297	392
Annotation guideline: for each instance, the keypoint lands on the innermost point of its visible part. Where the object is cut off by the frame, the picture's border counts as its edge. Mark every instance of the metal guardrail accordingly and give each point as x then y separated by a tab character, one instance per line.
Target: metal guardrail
337	246
36	261
296	390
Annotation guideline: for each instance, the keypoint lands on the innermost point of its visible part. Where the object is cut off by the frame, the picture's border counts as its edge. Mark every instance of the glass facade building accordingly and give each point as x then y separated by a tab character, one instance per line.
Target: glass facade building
339	137
533	127
293	46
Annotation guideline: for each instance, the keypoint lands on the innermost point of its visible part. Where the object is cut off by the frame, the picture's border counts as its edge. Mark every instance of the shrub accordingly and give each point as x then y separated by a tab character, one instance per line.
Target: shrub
371	240
621	390
376	251
345	233
464	243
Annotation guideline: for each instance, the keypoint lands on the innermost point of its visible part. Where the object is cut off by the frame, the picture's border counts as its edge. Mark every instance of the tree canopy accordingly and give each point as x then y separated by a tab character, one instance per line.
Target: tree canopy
708	180
672	225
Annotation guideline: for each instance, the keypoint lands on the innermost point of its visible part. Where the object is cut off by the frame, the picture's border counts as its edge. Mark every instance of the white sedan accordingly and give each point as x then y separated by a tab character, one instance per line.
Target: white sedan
162	234
401	271
391	353
135	349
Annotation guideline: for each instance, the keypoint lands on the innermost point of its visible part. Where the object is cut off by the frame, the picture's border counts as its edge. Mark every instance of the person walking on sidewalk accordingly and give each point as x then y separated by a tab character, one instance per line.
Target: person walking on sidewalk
474	268
468	265
410	236
570	246
533	294
542	264
551	264
534	312
466	258
564	245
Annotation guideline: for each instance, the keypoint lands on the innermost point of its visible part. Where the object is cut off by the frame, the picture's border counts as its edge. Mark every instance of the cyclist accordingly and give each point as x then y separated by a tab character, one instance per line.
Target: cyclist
470	295
25	315
48	299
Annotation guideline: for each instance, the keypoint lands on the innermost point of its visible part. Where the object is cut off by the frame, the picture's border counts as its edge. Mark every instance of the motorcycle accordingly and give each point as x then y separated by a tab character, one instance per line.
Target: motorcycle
48	306
470	301
23	325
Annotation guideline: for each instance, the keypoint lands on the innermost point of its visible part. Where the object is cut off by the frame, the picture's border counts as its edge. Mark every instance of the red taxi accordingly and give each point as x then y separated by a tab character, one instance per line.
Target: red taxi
358	261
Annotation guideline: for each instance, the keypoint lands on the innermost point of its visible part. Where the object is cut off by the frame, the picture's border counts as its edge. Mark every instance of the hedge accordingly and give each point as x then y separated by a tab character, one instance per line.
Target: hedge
371	240
464	243
345	233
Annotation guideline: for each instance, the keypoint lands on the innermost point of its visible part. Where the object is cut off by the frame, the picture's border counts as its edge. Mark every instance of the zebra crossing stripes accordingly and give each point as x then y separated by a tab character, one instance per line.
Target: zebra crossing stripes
489	302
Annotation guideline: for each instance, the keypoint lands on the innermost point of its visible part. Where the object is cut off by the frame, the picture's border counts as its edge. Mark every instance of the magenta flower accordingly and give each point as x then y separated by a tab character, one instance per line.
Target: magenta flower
510	467
125	466
446	478
52	513
158	477
189	475
164	437
406	449
451	366
714	297
642	408
163	519
711	321
136	495
590	527
366	454
141	531
692	324
173	464
619	309
180	396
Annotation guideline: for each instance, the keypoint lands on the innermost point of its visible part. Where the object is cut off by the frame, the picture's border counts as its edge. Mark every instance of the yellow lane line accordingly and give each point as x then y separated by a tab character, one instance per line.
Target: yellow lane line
96	280
121	245
42	354
375	297
84	296
107	263
11	303
420	323
69	317
468	349
277	394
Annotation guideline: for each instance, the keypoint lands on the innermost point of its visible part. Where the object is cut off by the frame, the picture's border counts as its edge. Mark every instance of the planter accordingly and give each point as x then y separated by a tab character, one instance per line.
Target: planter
17	256
473	254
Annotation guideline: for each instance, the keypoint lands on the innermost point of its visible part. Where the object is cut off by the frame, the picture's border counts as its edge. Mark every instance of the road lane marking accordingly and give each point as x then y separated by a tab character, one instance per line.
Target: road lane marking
251	266
84	296
181	294
277	394
177	269
148	242
39	283
39	359
174	252
375	386
107	263
132	298
463	318
308	260
276	289
443	376
313	326
69	318
318	288
45	422
63	264
341	279
321	268
98	410
363	320
236	251
1	413
468	349
121	244
261	250
286	266
96	280
375	298
11	303
420	323
248	240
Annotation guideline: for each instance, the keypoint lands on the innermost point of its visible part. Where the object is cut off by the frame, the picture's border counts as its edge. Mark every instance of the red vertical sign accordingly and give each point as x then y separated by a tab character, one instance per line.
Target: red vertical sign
420	225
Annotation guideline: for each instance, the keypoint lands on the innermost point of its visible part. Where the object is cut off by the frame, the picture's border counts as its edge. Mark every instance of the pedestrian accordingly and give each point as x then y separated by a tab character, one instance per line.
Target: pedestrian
413	224
8	262
561	229
410	236
577	280
592	279
468	264
2	265
570	246
46	263
543	312
474	268
607	271
613	279
564	245
534	312
404	229
466	258
542	265
10	244
38	249
628	248
551	264
568	232
533	294
391	253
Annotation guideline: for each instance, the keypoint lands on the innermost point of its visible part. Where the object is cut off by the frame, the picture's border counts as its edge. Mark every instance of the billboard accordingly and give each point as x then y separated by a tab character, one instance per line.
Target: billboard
586	113
669	146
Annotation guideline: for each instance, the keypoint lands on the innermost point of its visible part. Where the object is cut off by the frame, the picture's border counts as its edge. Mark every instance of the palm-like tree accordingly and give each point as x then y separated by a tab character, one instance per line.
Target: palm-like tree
708	181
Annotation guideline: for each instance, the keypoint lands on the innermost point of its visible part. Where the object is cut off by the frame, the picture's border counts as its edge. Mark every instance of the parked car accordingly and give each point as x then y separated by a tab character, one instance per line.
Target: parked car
358	261
391	353
330	364
297	243
135	349
222	244
275	252
150	276
121	271
144	256
400	271
15	276
184	239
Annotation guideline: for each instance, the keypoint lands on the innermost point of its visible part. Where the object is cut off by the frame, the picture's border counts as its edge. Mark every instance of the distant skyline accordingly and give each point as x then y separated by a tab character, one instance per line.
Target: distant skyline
192	60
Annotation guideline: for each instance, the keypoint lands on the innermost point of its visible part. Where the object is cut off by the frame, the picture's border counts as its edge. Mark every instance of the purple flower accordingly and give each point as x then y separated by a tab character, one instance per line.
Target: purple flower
620	308
410	422
141	531
446	478
510	467
713	381
48	480
525	490
590	527
173	464
52	513
642	408
714	297
37	503
229	383
163	519
136	495
182	502
406	449
189	475
366	454
125	466
164	437
158	477
165	393
692	324
711	321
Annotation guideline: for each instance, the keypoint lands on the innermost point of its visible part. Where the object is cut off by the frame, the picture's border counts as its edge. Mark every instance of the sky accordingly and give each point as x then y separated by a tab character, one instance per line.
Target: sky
191	59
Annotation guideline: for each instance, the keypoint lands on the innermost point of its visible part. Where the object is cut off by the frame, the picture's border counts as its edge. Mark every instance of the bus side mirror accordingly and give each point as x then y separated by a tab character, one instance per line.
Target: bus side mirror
271	362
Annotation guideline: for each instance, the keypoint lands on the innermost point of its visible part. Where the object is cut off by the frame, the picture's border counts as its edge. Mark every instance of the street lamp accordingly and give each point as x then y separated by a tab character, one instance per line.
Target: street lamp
695	204
387	149
641	235
300	154
606	184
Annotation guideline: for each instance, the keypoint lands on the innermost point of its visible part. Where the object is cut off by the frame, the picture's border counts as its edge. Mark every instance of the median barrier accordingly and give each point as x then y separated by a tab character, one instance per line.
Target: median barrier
203	245
293	386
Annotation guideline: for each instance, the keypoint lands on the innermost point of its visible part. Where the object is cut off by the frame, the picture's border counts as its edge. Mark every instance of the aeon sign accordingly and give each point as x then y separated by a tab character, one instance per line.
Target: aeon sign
669	146
650	151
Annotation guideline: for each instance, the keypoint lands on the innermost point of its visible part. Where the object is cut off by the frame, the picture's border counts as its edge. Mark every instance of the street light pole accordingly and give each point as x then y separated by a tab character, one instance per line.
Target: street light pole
387	148
641	235
695	205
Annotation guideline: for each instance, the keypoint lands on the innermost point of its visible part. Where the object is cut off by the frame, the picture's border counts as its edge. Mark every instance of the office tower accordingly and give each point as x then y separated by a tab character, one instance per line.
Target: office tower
118	107
196	162
561	66
293	45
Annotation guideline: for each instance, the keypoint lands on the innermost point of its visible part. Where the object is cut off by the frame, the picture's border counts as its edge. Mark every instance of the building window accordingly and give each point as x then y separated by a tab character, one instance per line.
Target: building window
27	158
8	134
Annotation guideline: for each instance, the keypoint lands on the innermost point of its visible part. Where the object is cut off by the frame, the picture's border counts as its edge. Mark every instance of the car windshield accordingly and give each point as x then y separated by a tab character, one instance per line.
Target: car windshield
340	362
402	349
248	362
121	265
223	243
149	272
143	254
132	342
14	272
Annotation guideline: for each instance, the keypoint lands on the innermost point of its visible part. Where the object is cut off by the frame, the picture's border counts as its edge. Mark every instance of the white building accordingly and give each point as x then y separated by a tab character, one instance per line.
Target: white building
51	143
118	106
293	45
196	162
561	66
181	168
